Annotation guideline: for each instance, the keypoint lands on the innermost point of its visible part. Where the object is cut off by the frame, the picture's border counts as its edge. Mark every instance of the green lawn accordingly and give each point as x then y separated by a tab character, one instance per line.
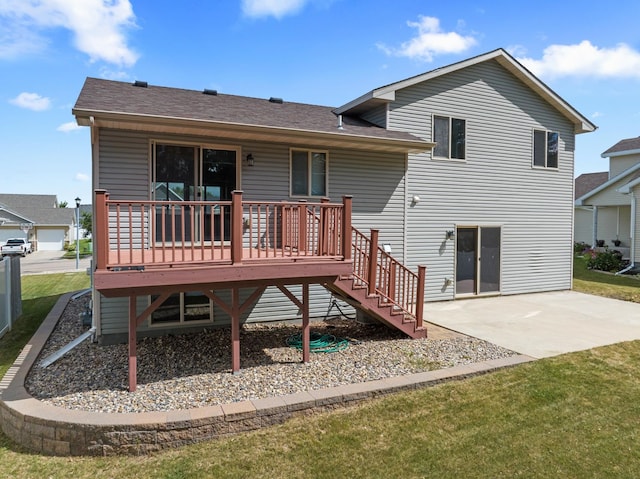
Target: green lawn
572	416
624	287
39	295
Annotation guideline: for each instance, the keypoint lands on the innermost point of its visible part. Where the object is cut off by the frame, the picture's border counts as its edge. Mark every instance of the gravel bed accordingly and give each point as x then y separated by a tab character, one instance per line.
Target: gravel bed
194	370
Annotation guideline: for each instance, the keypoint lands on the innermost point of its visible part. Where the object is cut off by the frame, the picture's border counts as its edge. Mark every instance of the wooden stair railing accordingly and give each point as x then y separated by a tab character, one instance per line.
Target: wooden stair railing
384	287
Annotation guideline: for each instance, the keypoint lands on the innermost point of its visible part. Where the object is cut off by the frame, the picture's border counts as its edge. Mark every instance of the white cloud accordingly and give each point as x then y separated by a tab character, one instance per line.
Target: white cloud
70	126
31	101
586	59
430	41
98	27
273	8
82	177
597	114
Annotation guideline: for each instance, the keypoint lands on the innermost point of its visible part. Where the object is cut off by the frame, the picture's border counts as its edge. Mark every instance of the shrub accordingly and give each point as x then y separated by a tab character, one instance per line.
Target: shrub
605	260
580	247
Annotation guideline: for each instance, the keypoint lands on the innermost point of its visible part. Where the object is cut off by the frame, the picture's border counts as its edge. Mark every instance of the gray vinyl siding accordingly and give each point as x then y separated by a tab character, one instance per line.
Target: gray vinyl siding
610	196
124	164
620	164
495	185
583	226
376	180
377	115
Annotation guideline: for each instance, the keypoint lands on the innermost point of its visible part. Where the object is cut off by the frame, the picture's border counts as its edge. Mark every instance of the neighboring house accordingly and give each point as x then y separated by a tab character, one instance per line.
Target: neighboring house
606	202
466	169
37	218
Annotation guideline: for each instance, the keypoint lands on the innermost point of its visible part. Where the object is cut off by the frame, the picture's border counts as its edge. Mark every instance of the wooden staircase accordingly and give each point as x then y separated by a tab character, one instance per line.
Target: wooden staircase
382	287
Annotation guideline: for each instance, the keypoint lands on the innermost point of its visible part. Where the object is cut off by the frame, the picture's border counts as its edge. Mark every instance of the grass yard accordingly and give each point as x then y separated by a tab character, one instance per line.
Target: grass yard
624	287
571	416
39	294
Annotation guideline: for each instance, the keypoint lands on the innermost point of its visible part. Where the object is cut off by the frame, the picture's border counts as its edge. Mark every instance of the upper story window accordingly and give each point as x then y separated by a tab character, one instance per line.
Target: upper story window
545	149
450	136
309	173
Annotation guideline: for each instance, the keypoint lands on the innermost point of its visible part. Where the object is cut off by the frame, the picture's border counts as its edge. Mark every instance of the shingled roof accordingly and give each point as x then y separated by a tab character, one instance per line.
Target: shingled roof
40	210
143	107
589	181
623	146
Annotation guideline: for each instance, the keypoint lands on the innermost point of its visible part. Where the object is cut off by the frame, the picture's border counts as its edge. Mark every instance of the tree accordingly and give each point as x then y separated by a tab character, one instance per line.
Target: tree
86	223
63	204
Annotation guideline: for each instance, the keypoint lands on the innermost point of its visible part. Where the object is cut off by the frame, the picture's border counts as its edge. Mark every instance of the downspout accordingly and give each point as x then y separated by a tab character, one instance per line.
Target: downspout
632	228
595	226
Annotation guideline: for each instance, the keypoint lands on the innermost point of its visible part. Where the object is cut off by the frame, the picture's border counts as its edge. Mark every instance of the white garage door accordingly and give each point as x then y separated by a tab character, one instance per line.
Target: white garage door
6	233
50	240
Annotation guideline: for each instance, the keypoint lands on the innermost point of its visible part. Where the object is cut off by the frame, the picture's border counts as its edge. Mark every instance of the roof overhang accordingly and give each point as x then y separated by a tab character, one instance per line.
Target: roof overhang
247	132
626	189
620	153
387	93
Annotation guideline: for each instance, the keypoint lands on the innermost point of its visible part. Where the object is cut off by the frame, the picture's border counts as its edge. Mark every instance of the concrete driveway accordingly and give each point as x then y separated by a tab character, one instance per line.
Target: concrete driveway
41	262
542	324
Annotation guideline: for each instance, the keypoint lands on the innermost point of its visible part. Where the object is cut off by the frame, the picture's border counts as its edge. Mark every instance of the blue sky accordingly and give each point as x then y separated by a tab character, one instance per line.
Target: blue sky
325	52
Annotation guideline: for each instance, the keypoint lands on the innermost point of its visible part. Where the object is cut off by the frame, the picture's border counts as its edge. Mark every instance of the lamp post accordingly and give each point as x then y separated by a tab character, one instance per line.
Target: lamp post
77	232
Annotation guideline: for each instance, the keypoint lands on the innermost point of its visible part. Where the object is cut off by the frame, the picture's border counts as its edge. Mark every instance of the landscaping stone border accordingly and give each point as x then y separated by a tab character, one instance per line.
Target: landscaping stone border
53	430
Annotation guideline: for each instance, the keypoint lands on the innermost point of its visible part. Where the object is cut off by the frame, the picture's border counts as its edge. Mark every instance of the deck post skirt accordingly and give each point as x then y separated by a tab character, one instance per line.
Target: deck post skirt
422	274
373	262
101	229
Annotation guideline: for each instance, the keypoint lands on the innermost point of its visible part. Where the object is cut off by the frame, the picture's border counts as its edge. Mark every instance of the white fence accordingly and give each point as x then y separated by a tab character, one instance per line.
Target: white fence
10	293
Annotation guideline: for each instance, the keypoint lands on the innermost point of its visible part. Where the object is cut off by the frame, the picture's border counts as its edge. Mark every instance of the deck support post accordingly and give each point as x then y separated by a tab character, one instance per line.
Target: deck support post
323	238
302	226
347	232
235	330
306	334
373	262
133	366
236	227
422	274
100	225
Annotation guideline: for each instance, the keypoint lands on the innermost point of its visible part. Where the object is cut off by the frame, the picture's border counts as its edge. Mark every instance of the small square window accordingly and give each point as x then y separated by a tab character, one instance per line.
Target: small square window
450	136
308	173
545	149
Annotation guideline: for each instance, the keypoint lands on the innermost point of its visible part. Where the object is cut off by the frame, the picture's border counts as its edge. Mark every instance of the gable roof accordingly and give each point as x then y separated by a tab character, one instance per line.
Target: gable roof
629	146
630	174
40	210
17	201
387	93
589	181
146	107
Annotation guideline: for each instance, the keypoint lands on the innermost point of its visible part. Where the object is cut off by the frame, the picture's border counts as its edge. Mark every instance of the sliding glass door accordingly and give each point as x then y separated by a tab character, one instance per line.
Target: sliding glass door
478	260
192	173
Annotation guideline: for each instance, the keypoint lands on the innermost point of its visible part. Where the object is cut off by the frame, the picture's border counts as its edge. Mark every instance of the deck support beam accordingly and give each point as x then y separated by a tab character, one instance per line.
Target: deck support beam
306	334
235	330
304	308
133	365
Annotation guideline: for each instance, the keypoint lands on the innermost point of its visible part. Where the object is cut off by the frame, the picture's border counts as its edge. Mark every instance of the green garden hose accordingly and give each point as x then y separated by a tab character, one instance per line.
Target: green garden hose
319	343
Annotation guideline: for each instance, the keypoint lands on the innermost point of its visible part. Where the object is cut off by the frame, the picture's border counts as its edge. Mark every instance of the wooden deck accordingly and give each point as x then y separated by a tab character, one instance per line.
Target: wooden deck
160	247
144	247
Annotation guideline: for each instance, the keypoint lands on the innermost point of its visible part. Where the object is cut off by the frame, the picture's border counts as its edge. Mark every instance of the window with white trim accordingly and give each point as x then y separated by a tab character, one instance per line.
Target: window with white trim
545	149
309	173
450	136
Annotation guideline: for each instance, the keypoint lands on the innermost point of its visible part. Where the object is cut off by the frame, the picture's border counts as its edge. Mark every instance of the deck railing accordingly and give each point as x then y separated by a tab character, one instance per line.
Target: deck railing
383	275
139	234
